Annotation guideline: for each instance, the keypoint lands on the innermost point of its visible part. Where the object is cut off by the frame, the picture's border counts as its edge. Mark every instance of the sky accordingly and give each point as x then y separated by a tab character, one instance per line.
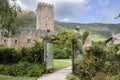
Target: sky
79	11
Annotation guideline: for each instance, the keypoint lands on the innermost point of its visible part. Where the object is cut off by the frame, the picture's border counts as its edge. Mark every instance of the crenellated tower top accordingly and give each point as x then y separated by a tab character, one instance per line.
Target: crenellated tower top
42	4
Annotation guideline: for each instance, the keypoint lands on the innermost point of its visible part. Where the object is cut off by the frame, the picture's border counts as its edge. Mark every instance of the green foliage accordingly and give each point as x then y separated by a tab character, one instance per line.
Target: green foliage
116	77
32	55
61	54
98	60
38	52
3	77
8	16
99	76
26	54
19	69
84	36
85	69
112	60
28	59
26	19
36	70
22	69
118	16
118	52
62	43
63	39
72	77
9	55
4	69
98	51
112	68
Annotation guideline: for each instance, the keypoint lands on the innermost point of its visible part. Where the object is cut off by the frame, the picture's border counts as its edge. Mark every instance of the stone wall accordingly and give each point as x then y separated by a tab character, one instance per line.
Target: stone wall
24	39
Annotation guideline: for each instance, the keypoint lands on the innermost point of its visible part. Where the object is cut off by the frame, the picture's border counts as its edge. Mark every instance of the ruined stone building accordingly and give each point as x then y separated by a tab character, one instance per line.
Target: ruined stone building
45	21
113	40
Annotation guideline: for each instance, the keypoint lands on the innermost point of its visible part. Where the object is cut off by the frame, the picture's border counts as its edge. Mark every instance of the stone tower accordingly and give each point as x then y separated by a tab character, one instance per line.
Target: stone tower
45	16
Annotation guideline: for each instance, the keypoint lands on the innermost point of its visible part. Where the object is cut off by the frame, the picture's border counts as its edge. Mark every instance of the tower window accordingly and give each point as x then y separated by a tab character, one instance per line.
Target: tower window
29	40
16	41
4	40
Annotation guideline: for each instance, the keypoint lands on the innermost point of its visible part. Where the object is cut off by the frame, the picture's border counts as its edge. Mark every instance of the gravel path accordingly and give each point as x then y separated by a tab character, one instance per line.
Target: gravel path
58	75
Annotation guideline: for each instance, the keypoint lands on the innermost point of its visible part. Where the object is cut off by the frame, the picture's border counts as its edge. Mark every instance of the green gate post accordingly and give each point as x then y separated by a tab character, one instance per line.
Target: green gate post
48	52
73	56
74	50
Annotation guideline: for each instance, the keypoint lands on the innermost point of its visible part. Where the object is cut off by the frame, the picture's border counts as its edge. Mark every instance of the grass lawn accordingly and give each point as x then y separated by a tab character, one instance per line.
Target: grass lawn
2	77
97	38
61	63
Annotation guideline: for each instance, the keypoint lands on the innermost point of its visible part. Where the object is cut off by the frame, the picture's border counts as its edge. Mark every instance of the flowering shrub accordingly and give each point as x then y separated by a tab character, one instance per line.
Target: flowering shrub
84	68
89	62
98	62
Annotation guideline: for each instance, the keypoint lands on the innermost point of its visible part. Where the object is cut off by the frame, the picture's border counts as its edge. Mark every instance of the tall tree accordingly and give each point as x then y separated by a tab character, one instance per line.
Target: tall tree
8	16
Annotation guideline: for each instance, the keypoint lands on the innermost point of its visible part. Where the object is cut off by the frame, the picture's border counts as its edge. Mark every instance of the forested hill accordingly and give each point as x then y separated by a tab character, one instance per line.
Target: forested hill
98	30
103	30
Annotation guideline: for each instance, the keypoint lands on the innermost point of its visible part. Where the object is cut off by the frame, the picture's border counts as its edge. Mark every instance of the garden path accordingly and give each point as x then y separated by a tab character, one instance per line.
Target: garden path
58	75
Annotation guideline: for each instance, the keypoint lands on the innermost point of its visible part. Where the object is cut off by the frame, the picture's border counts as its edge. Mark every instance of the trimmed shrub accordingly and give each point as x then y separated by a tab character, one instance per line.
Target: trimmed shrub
24	62
4	69
35	70
19	69
32	55
97	51
27	55
85	69
9	55
22	69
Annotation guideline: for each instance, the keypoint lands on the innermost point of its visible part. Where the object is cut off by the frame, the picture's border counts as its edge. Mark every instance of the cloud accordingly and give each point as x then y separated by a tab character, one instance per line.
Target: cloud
20	3
70	10
103	3
65	10
66	20
108	15
57	1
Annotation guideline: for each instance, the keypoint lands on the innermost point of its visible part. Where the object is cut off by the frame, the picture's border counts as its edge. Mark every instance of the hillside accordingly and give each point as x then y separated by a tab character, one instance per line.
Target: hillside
27	19
98	31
